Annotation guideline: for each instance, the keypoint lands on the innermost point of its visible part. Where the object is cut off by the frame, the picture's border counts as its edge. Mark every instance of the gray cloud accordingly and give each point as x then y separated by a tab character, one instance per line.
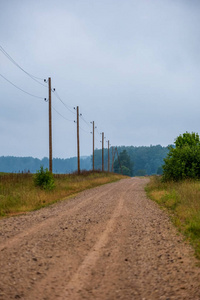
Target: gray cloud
131	66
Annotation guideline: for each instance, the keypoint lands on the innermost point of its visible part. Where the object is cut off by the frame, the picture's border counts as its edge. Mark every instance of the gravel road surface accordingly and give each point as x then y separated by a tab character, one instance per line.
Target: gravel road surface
107	243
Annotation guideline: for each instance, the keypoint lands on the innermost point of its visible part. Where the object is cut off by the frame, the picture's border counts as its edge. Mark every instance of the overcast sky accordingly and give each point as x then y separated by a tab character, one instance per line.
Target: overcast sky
132	66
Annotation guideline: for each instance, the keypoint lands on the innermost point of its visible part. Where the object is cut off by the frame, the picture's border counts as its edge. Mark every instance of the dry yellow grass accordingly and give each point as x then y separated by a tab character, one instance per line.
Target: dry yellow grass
182	200
158	195
18	193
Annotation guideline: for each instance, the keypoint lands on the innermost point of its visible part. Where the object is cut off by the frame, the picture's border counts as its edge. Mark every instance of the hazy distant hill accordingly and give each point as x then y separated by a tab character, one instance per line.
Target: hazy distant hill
147	161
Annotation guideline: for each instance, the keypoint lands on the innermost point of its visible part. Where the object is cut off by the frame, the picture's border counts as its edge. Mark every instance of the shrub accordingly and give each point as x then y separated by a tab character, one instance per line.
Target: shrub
44	179
183	160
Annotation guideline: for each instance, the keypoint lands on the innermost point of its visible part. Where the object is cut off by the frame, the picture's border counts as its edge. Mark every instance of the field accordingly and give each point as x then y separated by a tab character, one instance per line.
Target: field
182	201
18	194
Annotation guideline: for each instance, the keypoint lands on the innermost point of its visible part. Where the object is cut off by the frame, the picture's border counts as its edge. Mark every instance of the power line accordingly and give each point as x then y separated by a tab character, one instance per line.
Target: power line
88	124
67	106
17	65
20	88
98	132
84	130
62	115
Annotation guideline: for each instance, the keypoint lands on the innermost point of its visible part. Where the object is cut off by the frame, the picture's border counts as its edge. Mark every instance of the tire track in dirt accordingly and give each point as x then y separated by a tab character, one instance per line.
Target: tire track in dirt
80	278
46	222
109	243
40	252
79	275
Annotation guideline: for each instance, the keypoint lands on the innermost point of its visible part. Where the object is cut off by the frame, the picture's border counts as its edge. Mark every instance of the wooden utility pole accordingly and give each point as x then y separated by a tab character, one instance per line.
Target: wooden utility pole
50	128
108	156
93	146
78	149
112	158
102	151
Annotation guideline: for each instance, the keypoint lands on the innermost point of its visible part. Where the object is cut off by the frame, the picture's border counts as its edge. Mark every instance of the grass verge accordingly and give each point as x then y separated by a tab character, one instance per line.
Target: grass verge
18	194
182	201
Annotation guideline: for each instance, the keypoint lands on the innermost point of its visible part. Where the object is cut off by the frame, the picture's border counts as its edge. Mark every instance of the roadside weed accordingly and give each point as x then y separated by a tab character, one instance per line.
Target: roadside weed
182	200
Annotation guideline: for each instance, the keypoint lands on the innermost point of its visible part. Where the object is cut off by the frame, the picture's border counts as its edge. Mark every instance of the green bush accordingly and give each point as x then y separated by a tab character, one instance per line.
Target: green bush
44	179
183	160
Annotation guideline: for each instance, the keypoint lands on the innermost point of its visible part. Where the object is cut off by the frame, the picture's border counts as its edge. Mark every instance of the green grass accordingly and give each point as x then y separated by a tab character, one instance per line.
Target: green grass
18	194
182	201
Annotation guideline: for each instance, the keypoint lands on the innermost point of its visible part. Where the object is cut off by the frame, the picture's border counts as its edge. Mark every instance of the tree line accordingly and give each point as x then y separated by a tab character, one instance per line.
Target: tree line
14	164
143	160
135	161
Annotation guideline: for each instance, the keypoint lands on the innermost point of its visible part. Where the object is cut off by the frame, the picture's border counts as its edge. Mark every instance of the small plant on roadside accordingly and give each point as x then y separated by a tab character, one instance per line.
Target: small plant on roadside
44	179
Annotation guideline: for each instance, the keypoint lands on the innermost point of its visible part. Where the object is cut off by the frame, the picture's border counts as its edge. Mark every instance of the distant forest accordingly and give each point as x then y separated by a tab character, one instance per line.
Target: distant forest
14	164
146	161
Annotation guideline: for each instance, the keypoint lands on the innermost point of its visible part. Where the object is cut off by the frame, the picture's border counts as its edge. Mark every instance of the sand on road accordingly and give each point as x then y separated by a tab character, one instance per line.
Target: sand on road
107	243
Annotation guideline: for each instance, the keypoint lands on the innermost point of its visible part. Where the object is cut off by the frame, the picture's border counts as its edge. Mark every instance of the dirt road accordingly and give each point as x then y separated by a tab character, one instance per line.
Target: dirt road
107	243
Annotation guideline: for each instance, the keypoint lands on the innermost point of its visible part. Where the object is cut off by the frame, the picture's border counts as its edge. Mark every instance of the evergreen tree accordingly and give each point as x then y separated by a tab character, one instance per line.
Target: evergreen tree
125	163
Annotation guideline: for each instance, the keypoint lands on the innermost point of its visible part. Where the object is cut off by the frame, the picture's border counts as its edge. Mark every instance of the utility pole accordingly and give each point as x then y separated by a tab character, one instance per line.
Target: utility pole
108	156
102	151
78	150
50	128
93	146
112	158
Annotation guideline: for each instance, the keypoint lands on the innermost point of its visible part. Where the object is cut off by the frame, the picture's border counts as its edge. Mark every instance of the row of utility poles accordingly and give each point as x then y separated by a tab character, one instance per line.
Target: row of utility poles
93	138
78	144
